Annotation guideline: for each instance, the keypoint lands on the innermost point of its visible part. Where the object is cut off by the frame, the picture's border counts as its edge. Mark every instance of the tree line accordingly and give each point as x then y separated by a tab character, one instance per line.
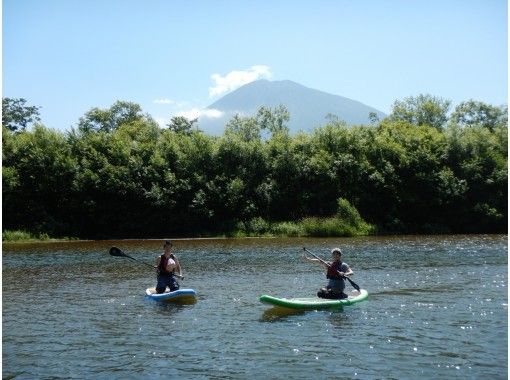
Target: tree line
423	169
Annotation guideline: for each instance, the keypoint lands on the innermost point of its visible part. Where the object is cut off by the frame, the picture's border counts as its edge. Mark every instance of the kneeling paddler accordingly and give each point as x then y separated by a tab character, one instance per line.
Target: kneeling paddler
336	271
166	265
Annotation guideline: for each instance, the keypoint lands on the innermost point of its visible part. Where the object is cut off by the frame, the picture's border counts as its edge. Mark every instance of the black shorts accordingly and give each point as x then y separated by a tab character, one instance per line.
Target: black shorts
331	294
164	281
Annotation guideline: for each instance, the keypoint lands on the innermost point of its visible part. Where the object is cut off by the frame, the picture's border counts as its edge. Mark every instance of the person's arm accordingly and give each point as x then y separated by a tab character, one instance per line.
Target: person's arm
178	266
305	257
348	272
158	260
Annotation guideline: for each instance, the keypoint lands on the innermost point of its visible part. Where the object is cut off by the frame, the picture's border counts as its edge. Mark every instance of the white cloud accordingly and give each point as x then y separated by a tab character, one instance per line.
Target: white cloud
197	112
164	101
237	78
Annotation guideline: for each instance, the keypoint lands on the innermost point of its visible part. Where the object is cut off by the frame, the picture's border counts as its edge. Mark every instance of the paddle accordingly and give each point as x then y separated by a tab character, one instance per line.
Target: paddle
114	251
354	285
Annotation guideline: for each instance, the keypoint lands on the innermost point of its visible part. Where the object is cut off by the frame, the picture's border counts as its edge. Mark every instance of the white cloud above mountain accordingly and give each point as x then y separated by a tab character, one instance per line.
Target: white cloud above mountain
237	78
222	85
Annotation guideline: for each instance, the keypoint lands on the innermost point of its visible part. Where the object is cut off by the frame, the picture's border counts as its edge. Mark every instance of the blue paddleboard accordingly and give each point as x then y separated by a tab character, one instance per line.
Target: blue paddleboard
177	296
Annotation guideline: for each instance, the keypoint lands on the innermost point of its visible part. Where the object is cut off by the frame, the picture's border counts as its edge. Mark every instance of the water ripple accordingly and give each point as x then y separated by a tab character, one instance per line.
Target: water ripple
437	309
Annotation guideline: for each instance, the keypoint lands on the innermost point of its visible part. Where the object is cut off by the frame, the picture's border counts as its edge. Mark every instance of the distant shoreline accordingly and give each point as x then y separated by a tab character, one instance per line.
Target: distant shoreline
222	237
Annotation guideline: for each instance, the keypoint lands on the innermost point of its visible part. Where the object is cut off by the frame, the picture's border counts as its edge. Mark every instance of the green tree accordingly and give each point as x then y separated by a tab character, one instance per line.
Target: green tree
186	166
120	175
180	124
107	120
288	182
478	156
245	128
372	116
37	178
273	120
402	183
16	115
422	110
473	113
240	170
114	179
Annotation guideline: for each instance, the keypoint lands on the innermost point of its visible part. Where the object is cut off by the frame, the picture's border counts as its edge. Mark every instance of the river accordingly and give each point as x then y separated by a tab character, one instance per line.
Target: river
437	309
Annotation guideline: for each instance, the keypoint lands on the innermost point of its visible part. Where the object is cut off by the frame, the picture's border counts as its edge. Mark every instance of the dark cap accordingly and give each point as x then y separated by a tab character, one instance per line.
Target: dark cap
168	243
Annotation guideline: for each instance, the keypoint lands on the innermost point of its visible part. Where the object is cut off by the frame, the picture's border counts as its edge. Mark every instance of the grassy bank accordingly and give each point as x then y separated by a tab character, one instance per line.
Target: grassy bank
346	222
24	237
307	227
257	227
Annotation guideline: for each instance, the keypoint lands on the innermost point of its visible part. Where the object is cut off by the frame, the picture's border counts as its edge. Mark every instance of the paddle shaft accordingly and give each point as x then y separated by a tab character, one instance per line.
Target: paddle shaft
354	285
114	251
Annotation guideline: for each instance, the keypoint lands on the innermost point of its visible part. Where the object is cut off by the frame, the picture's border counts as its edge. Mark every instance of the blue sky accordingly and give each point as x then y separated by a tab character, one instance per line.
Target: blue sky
177	57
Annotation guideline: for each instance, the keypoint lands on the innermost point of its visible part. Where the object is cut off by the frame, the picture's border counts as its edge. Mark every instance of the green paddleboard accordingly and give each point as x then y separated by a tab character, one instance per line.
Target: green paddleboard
315	302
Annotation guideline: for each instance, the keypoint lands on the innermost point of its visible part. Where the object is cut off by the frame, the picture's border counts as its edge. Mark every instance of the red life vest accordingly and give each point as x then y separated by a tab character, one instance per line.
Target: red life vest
163	262
333	270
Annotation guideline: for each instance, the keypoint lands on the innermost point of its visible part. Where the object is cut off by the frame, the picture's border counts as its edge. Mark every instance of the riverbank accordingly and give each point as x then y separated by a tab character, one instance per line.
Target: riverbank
257	227
30	237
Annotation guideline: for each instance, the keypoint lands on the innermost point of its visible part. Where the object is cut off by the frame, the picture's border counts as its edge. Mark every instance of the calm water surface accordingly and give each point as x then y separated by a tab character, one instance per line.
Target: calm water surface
437	309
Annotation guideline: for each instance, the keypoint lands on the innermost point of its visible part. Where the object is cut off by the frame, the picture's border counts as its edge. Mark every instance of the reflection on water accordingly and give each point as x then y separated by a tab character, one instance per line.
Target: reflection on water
274	314
166	309
444	289
437	309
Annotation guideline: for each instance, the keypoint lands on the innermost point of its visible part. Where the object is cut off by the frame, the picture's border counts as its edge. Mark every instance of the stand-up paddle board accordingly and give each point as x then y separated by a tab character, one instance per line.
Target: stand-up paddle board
177	296
315	302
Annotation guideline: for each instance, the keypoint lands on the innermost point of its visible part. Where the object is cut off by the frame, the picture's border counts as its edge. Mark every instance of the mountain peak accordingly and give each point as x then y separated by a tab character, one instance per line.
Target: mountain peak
307	107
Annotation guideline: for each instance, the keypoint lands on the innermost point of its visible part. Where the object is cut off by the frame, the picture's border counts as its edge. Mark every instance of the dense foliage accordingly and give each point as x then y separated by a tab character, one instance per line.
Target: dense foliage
118	174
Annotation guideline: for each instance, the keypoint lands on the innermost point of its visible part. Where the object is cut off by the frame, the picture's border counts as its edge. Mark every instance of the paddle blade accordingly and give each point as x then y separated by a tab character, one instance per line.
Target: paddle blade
114	251
354	285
